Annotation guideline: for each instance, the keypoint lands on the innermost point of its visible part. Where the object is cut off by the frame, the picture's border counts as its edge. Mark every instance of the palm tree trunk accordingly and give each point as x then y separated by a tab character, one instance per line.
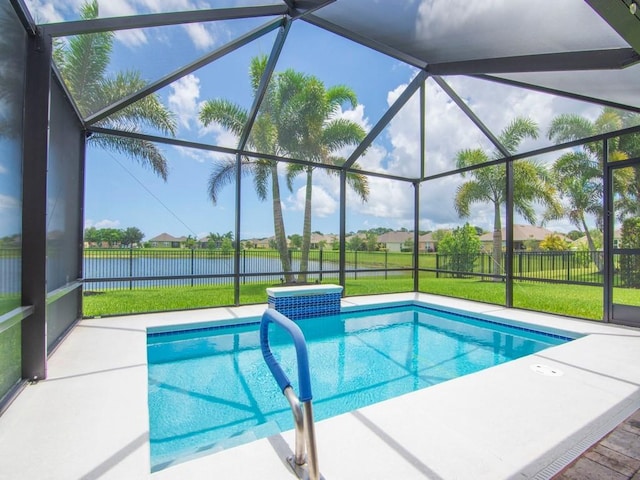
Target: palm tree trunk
306	229
497	242
278	225
595	255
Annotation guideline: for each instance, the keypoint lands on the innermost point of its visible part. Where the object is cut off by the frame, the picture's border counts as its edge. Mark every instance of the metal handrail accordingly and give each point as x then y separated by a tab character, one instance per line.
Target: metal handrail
300	406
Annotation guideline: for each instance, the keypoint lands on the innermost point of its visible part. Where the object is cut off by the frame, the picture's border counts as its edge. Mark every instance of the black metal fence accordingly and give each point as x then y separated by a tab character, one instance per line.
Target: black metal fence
575	267
139	268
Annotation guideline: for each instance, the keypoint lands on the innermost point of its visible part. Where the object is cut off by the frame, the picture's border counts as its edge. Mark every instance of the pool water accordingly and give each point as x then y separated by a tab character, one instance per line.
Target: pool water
210	390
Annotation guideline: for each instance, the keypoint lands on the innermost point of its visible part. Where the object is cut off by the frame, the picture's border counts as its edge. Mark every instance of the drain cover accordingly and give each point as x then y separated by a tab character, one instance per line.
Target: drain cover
546	370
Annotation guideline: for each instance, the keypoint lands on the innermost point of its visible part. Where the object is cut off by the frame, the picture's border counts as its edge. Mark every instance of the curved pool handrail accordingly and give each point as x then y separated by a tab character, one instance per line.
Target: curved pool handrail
304	380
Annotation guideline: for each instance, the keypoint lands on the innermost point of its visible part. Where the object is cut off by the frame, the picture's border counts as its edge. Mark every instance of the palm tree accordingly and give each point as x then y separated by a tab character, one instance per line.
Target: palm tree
314	133
578	174
531	182
264	138
83	63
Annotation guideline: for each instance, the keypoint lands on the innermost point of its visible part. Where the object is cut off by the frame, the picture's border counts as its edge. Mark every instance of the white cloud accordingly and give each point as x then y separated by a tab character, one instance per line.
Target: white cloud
7	202
183	100
3	170
106	223
222	137
44	12
131	38
200	156
322	203
201	36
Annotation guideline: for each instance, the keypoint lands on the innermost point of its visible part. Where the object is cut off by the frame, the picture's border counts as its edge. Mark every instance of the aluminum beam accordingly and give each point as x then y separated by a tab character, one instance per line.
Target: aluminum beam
367	42
193	66
34	206
617	14
387	117
112	24
472	116
612	59
264	82
559	93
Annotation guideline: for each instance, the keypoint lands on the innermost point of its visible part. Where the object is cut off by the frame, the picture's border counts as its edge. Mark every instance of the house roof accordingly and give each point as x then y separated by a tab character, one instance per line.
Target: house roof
522	233
395	237
165	237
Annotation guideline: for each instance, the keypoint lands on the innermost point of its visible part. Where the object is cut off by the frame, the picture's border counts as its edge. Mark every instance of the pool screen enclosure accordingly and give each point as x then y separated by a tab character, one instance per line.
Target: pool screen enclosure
585	51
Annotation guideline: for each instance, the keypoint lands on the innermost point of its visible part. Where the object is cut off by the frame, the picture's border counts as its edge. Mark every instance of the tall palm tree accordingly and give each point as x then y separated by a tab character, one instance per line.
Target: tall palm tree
579	173
488	185
83	63
314	133
264	138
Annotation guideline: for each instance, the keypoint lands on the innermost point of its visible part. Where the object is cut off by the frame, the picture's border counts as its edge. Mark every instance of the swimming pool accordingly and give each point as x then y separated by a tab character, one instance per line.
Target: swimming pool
209	388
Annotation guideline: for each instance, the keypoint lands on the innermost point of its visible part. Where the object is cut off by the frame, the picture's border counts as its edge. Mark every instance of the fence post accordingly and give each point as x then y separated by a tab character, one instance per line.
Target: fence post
131	268
192	253
320	262
386	263
437	265
355	261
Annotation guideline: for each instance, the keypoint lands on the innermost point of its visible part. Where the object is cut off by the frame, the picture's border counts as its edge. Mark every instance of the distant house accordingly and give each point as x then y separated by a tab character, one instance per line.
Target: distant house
264	242
524	236
581	243
318	239
426	243
394	241
164	240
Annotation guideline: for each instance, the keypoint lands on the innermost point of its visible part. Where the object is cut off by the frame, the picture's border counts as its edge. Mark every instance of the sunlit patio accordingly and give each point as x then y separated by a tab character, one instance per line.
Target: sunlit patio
89	419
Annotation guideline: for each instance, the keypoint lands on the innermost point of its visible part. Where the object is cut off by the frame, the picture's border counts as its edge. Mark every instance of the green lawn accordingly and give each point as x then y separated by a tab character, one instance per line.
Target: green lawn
572	300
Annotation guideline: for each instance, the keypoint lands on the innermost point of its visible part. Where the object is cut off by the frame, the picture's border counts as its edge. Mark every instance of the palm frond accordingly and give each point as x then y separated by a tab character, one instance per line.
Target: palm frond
146	153
85	61
567	127
146	111
514	133
468	193
224	173
228	114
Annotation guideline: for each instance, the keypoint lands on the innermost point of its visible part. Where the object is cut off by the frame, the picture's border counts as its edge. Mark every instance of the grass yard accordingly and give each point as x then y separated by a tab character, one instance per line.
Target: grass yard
572	300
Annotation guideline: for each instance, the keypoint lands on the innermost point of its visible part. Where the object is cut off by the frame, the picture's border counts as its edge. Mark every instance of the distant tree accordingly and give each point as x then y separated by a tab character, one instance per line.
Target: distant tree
112	236
630	263
356	243
407	246
459	250
575	234
554	242
335	244
132	235
439	234
92	235
273	245
213	240
190	242
322	244
371	240
295	240
226	245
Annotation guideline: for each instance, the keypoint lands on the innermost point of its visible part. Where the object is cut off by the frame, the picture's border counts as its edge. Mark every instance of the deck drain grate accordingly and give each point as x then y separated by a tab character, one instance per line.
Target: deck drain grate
546	370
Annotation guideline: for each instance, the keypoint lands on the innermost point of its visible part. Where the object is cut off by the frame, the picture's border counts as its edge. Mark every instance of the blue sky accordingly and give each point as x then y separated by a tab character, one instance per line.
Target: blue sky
121	193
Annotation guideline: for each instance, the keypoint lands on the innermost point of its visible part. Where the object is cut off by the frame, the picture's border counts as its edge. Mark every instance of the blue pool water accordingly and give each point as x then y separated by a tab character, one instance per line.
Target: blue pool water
210	389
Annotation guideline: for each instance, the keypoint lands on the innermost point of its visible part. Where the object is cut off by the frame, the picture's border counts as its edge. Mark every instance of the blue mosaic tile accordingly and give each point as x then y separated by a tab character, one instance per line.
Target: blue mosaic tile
306	306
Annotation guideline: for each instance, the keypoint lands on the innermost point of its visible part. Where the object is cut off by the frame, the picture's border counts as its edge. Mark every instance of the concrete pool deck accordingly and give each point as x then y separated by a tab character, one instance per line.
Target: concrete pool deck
89	419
